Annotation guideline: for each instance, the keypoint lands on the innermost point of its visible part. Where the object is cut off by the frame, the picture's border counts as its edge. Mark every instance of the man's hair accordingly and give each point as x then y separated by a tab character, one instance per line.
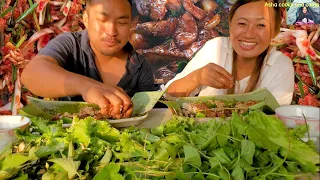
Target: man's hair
89	2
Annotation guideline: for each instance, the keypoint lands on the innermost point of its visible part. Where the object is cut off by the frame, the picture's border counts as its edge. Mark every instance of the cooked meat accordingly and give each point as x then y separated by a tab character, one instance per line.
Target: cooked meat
216	108
158	9
194	10
187	31
208	34
195	107
209	5
139	41
158	28
166	51
4	96
213	22
173	5
143	6
90	111
193	48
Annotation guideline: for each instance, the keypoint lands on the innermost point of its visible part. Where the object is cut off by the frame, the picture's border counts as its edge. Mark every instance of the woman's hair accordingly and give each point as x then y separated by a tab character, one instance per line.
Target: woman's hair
254	79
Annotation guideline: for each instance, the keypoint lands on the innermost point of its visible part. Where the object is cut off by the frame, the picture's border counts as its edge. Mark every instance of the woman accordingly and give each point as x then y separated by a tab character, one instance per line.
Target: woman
243	62
304	16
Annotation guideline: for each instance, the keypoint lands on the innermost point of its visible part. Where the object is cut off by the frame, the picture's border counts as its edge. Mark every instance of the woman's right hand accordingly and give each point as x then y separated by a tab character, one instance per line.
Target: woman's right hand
112	100
214	76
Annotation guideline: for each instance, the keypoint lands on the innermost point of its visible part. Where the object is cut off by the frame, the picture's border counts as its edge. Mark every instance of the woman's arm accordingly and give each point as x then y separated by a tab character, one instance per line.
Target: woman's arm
202	70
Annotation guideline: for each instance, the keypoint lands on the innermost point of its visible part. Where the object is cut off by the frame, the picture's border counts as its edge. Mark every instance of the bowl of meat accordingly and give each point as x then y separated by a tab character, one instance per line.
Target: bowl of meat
8	124
293	115
209	107
143	102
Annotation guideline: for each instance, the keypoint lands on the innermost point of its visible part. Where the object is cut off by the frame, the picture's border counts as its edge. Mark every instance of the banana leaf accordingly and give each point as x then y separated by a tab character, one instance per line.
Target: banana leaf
143	102
266	101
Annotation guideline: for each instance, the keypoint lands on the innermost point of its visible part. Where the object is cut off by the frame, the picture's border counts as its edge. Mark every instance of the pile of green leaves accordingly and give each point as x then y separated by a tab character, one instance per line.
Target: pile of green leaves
254	146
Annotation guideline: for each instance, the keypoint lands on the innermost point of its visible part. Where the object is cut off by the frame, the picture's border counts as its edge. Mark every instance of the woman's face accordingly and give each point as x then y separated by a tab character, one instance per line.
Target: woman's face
304	10
250	29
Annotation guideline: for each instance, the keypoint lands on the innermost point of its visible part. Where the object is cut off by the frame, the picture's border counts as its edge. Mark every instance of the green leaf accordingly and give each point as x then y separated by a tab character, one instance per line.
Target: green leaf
9	173
42	124
244	165
71	151
22	177
68	165
191	155
198	176
221	156
247	150
161	154
200	115
143	102
172	151
80	130
109	172
225	129
106	158
14	161
237	173
6	151
172	104
52	148
224	175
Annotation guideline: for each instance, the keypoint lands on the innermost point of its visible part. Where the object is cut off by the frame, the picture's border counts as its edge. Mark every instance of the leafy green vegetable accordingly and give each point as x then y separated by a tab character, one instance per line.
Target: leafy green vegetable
109	172
191	155
13	160
251	146
68	165
247	150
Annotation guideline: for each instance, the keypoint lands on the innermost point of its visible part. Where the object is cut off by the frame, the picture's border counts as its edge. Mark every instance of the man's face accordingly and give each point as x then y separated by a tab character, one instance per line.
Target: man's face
250	29
108	25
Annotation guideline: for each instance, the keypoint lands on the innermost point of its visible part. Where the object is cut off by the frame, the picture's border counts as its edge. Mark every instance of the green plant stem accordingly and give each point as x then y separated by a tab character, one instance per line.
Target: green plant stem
311	69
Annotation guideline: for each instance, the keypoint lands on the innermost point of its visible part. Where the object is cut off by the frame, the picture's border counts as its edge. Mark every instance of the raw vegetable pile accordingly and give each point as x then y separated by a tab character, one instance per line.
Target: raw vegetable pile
302	45
255	146
25	28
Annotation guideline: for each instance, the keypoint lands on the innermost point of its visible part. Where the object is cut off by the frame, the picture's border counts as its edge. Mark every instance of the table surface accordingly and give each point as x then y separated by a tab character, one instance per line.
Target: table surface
156	117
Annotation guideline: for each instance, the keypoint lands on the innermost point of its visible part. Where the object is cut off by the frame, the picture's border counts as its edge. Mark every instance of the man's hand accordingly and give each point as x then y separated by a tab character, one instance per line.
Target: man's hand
214	76
113	101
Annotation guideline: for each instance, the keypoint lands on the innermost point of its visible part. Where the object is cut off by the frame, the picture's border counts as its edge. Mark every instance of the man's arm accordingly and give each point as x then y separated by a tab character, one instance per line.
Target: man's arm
44	77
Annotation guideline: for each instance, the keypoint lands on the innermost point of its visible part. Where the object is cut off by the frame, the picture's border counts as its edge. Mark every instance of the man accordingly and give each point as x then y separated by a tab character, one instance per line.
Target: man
95	63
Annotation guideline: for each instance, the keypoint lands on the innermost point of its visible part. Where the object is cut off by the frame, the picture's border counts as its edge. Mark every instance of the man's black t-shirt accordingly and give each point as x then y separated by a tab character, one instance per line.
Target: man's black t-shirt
73	52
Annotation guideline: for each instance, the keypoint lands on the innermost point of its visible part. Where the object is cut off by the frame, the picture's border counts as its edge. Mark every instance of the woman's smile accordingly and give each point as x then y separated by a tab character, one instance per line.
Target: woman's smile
246	45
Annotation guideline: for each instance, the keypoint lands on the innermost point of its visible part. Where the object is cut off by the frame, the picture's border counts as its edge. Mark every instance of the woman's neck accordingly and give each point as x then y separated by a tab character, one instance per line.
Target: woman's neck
244	67
246	62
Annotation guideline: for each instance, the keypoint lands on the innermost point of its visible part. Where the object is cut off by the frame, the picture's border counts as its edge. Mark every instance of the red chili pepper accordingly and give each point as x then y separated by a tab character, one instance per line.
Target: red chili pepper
310	52
41	5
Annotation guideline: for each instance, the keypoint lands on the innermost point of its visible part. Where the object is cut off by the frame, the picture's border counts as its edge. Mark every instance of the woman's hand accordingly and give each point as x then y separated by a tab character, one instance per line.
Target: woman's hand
214	76
113	101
